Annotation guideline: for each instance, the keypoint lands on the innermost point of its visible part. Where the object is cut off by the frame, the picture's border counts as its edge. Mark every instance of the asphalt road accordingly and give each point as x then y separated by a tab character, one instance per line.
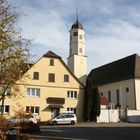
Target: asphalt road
93	131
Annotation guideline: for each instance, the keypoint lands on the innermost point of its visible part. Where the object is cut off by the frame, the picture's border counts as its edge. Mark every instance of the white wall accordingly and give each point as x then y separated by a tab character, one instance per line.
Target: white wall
126	98
137	91
133	115
108	116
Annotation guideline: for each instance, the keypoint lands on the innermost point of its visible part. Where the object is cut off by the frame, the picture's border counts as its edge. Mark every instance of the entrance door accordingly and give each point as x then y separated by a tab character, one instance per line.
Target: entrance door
55	112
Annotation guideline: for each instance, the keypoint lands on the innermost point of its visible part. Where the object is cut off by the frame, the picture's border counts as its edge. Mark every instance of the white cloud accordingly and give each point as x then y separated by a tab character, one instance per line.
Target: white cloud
112	28
45	28
114	40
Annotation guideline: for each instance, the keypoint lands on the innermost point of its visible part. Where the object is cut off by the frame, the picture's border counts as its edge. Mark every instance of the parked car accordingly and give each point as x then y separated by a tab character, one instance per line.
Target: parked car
25	118
64	119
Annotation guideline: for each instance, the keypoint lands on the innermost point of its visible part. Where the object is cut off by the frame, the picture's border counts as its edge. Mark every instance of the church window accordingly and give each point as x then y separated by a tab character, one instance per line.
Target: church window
80	36
126	89
75	33
101	94
118	96
109	96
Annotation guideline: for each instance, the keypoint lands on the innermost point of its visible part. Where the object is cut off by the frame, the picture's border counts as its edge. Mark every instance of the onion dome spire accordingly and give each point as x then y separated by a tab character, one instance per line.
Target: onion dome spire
77	24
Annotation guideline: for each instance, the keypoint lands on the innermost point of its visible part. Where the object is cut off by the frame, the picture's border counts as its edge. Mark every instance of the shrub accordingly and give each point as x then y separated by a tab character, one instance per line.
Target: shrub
29	127
3	124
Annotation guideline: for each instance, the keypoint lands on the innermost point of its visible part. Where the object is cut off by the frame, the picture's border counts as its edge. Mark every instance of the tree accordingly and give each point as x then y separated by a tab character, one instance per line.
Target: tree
87	99
95	108
92	100
14	52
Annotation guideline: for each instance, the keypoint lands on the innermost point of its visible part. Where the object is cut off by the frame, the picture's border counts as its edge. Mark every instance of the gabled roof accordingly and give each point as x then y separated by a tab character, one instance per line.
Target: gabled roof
123	69
51	54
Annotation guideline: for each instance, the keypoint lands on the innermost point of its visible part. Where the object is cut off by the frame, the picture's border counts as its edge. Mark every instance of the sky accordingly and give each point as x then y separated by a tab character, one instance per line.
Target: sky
112	27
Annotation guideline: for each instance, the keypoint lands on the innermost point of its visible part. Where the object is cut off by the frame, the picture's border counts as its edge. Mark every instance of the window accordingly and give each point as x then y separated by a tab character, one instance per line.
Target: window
36	75
32	109
126	89
101	94
33	92
80	50
51	77
6	108
72	110
66	78
75	33
75	94
109	96
72	94
51	62
80	36
118	96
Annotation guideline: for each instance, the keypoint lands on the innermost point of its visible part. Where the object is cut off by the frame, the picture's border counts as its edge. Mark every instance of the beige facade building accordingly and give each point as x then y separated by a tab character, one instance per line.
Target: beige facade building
119	82
47	89
50	87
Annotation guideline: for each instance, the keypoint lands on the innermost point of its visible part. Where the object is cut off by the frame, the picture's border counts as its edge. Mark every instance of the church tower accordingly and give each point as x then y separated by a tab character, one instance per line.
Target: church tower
77	61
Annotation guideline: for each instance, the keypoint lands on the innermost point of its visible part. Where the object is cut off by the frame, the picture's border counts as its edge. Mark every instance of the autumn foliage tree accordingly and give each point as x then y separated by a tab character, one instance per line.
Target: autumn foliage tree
14	52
